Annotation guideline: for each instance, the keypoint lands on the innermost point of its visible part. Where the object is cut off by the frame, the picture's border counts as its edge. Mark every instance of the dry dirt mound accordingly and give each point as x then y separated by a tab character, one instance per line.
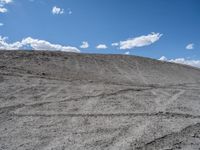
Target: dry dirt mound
56	100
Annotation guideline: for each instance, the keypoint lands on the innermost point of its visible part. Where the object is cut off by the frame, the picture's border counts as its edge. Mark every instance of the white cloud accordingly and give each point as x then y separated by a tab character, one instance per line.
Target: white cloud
69	12
3	10
115	44
1	24
10	46
163	58
140	41
2	4
57	11
127	53
5	1
101	46
84	44
195	63
190	46
35	44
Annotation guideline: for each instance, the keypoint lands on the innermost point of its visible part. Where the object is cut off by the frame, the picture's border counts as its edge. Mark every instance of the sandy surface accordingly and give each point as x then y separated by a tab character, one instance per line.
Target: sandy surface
56	101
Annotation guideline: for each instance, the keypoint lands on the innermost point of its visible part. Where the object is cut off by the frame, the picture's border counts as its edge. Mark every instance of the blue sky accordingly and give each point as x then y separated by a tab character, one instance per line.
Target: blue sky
150	28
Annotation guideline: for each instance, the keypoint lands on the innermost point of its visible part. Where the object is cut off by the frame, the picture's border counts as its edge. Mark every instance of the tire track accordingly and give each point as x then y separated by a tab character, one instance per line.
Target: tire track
127	139
140	73
173	98
122	132
10	108
159	114
164	106
101	95
173	139
123	72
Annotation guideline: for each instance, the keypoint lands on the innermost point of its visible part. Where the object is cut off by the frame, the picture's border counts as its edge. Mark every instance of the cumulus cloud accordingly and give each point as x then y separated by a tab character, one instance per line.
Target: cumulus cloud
35	44
195	63
101	46
3	10
2	5
140	41
84	44
190	46
10	46
57	11
163	58
1	24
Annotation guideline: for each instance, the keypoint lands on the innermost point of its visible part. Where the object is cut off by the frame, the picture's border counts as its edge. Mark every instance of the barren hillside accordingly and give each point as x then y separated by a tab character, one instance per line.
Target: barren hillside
57	100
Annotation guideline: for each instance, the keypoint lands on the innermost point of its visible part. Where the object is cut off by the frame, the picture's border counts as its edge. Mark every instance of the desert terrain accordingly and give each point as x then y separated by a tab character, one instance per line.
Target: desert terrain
58	100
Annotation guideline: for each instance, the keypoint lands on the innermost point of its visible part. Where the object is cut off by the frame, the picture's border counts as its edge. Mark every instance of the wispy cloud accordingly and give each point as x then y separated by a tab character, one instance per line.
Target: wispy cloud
84	44
5	1
140	41
1	24
101	46
35	44
2	5
57	11
115	44
195	63
69	11
190	46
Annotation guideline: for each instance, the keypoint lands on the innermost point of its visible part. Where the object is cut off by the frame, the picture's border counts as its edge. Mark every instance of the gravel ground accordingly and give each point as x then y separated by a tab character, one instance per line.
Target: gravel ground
57	100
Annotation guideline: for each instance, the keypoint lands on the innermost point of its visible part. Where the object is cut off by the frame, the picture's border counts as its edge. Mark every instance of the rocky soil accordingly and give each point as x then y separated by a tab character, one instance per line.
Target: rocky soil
57	100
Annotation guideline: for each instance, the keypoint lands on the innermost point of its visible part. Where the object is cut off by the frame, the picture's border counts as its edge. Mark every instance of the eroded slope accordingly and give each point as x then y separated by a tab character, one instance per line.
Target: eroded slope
54	100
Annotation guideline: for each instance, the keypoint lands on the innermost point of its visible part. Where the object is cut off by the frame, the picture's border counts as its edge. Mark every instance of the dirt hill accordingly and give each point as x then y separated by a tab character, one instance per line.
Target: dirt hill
57	100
